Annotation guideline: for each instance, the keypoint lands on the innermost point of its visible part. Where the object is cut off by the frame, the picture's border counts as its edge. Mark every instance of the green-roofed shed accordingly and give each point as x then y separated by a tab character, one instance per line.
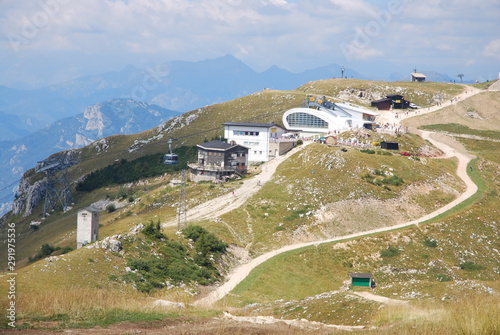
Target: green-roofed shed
362	279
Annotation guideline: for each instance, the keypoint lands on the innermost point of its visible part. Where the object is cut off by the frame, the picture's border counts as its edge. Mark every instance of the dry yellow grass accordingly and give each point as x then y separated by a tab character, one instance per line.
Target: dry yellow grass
478	314
477	112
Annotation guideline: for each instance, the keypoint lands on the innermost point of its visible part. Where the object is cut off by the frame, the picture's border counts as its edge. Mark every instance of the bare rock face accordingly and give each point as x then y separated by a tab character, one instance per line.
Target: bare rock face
29	196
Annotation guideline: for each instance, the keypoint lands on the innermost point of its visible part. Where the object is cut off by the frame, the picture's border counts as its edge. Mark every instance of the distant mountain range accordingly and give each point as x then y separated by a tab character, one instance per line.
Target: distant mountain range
176	85
112	117
37	123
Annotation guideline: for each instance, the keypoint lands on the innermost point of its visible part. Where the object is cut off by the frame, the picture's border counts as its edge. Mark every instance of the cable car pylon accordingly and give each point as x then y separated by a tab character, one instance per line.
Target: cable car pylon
182	209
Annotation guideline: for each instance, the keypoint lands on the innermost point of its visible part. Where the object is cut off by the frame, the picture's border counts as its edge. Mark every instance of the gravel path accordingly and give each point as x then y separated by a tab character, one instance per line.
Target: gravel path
228	202
447	144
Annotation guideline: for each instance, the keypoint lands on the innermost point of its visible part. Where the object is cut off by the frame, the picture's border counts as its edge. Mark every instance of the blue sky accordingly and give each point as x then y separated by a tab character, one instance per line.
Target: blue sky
48	41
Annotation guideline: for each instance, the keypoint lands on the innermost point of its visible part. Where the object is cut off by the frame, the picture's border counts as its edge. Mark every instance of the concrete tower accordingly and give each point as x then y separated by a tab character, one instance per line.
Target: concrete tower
87	230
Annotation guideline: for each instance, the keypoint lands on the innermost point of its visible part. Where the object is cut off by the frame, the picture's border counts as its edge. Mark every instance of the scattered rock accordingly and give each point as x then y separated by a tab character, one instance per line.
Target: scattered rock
112	243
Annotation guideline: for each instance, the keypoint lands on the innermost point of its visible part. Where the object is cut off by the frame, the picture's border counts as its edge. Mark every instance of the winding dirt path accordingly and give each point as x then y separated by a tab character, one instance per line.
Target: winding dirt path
228	202
447	144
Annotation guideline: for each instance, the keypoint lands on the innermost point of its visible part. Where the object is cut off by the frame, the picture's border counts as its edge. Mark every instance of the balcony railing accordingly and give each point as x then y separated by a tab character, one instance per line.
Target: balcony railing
210	167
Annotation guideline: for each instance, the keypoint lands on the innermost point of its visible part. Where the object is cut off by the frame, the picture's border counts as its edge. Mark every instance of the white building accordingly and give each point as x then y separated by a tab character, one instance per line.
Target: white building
321	115
87	229
261	139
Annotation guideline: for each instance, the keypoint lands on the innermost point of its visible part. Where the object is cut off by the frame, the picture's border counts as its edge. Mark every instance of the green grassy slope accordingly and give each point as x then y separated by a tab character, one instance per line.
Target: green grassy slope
440	267
190	128
296	205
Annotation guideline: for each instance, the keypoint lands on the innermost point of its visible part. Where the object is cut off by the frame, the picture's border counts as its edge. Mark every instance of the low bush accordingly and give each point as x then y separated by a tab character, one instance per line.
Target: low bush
110	208
391	251
393	180
443	277
471	266
45	251
430	243
153	231
173	261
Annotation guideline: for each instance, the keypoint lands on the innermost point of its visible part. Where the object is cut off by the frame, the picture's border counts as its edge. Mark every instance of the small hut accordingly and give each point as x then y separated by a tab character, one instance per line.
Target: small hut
389	145
362	279
415	76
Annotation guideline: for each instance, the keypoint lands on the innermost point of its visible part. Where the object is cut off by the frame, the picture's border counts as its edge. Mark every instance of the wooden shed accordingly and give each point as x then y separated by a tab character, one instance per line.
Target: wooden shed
389	145
362	279
382	104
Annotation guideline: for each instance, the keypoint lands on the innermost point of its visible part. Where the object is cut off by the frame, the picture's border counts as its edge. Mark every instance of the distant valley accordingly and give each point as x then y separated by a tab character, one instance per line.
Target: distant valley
112	117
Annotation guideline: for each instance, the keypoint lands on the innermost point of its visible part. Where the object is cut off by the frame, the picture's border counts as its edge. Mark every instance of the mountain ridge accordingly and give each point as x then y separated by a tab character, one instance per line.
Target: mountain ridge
112	117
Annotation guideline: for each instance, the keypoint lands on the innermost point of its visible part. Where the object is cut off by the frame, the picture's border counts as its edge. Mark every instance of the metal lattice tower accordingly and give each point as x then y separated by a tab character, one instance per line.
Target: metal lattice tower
181	211
58	182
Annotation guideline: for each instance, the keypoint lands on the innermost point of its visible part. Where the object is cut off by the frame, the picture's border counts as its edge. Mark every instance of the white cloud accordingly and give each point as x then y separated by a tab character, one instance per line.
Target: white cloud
294	34
492	49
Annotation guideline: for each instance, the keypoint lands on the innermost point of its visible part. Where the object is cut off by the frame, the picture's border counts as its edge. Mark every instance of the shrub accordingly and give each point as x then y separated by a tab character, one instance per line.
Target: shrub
430	243
443	277
45	251
471	266
393	180
65	250
389	252
153	231
110	208
172	261
368	151
300	142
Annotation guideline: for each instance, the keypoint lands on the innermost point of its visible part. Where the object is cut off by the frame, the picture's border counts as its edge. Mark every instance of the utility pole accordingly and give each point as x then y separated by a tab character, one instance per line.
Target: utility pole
182	209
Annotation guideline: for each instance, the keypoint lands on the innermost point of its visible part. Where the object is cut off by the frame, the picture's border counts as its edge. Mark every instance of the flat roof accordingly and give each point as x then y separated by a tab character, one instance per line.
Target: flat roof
360	275
382	100
90	209
418	75
247	124
219	145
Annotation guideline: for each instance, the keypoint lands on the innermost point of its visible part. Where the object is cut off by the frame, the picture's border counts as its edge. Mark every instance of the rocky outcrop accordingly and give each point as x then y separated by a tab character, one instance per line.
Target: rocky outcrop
112	243
28	196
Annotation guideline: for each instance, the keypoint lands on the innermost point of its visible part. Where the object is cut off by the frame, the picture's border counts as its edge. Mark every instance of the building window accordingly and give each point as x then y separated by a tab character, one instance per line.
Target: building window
306	120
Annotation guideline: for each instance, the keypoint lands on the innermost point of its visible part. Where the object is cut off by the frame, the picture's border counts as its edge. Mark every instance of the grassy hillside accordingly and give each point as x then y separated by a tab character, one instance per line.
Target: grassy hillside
190	129
440	267
479	112
317	193
324	192
363	92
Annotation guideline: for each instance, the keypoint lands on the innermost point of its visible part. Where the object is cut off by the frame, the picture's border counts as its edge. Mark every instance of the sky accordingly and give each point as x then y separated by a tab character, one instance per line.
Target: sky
48	41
